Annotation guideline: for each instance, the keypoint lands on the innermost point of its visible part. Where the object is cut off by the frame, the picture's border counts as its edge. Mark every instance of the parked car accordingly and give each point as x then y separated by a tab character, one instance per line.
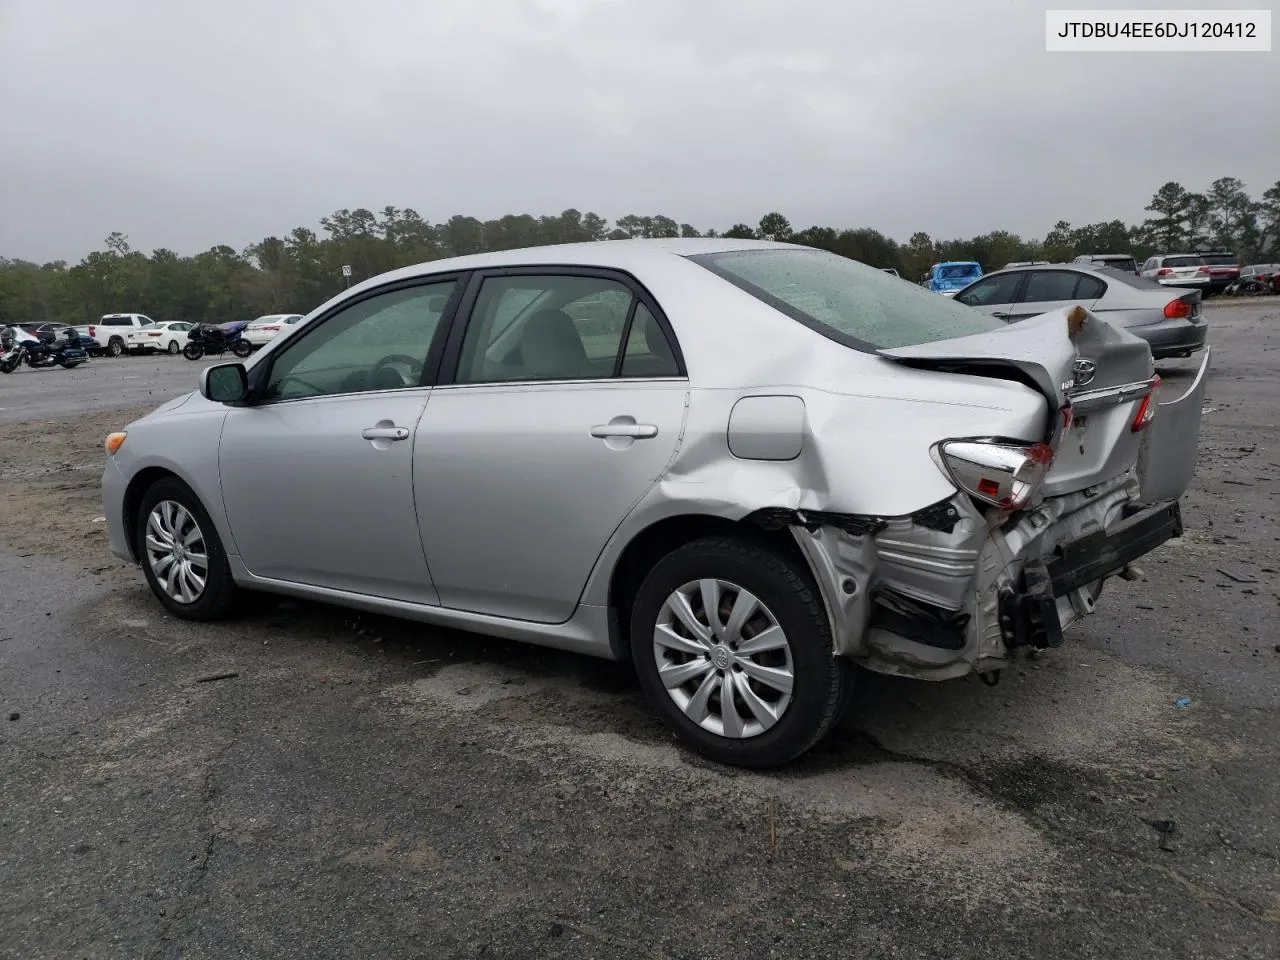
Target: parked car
1177	270
1169	321
167	337
1224	269
262	330
1257	279
745	466
1117	261
110	334
951	277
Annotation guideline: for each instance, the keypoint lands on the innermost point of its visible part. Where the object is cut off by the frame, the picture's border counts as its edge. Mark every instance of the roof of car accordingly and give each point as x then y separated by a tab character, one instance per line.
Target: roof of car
619	253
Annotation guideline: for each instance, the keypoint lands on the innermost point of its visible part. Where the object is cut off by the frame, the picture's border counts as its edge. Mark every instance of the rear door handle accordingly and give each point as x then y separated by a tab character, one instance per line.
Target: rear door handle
385	433
636	431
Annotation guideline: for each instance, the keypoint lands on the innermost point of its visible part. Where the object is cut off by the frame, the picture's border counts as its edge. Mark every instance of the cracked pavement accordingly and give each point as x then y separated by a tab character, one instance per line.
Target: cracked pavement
369	787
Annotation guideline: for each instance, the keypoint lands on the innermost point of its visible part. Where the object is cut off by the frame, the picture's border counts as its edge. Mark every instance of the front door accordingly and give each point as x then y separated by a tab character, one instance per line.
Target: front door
567	406
994	294
317	475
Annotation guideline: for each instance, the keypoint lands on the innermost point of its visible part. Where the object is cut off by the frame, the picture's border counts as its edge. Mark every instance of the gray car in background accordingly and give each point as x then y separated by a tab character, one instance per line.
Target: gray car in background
1169	321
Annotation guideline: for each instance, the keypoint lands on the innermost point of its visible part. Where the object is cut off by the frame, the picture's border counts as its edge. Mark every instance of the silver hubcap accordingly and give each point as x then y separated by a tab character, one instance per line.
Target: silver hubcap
723	658
176	551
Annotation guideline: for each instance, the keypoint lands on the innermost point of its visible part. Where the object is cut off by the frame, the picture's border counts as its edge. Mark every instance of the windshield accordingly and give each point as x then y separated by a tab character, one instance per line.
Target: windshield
853	304
959	271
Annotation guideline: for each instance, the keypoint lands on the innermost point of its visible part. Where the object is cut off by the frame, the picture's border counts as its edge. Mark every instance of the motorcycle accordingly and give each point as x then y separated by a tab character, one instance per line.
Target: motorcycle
40	350
209	339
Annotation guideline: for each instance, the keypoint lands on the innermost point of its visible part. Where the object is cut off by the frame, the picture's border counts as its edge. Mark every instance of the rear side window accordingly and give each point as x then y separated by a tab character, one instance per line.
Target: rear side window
1045	285
1090	288
845	300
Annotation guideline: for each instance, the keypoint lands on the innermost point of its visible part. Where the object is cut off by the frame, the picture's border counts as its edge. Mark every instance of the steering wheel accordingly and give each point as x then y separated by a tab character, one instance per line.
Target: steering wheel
315	391
397	358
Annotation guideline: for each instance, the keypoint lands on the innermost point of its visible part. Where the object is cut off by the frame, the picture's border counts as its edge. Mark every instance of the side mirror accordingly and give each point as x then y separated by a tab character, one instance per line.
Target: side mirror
224	383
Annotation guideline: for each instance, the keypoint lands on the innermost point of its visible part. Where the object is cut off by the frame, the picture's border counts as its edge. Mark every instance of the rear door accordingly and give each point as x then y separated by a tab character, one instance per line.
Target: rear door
566	404
1047	290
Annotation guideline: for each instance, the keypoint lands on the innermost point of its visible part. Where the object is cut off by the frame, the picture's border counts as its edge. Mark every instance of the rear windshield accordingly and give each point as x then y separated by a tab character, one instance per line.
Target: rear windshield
1130	279
847	301
1119	263
956	271
1220	259
1182	262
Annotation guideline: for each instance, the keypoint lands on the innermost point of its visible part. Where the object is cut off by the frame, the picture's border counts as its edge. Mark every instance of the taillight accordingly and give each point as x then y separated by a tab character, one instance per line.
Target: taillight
1163	272
1177	309
93	331
1004	474
1147	409
271	329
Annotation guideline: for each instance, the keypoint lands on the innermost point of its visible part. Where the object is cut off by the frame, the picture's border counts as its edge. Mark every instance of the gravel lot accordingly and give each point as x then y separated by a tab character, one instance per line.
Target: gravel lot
364	787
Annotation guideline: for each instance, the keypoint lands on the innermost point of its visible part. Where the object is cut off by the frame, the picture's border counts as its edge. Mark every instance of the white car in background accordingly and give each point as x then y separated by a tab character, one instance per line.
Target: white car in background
168	337
264	328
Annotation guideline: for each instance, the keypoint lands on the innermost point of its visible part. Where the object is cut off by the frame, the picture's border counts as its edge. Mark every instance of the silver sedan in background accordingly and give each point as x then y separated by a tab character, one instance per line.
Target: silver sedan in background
1169	320
743	466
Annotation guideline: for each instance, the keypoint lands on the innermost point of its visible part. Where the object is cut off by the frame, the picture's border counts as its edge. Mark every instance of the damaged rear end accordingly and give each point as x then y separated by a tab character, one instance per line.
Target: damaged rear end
1038	521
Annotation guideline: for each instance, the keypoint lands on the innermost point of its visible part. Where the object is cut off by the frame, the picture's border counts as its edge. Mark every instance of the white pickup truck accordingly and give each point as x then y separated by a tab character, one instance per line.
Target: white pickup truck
110	333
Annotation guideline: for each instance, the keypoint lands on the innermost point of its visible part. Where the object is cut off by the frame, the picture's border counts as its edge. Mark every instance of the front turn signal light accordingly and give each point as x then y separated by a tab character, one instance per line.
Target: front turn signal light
114	440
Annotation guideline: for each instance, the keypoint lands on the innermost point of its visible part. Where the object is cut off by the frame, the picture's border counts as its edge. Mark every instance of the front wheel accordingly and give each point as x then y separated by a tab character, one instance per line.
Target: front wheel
193	351
10	365
242	348
182	557
732	646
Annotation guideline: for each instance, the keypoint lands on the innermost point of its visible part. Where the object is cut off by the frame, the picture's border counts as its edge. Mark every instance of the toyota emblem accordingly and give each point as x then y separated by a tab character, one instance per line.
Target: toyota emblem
1084	371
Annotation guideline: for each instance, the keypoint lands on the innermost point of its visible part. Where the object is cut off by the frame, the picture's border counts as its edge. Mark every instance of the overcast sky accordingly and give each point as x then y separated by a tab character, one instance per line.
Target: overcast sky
186	124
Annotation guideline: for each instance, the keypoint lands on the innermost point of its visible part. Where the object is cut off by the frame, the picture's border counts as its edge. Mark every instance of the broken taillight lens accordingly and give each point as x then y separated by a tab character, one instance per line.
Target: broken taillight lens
1146	409
1002	473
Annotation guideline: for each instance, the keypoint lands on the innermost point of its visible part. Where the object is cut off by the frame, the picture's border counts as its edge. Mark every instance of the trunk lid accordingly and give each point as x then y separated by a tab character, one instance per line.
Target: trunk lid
1075	360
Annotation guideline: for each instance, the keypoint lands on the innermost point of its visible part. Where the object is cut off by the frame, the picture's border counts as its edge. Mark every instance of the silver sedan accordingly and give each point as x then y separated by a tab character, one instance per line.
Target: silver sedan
744	466
1169	320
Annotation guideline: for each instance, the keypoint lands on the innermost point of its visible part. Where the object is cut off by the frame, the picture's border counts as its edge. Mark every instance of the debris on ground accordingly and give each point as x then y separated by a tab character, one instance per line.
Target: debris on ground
229	675
1238	578
1182	702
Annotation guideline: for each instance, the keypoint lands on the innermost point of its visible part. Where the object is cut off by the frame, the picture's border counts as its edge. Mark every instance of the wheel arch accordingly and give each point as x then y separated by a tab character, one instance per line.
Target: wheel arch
662	537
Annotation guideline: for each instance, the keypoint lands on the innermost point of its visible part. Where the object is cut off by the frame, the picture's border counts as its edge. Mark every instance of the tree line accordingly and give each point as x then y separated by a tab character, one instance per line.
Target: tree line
296	272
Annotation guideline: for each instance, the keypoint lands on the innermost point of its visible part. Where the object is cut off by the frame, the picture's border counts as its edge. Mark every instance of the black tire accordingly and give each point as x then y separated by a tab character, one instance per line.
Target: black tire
221	596
174	347
8	366
115	347
821	680
242	348
193	351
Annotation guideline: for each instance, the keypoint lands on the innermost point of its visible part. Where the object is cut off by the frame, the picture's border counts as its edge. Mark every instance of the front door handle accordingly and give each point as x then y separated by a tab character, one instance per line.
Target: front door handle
1001	316
381	432
635	431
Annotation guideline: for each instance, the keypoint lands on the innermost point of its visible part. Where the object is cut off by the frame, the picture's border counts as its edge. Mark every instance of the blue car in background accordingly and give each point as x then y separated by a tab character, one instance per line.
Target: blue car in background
951	277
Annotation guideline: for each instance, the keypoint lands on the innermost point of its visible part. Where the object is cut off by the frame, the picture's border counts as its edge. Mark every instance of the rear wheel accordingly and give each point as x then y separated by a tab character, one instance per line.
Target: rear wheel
174	347
731	643
193	351
115	346
181	555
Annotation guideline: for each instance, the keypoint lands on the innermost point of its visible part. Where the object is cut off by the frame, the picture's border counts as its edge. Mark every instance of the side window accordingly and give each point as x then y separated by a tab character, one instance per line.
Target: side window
1089	288
376	344
1045	285
544	328
998	288
649	353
